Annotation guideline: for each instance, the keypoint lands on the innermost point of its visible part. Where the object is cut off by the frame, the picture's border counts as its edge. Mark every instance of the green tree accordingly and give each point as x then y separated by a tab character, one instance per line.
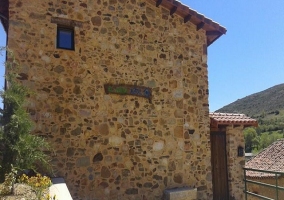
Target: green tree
268	138
22	149
256	143
250	135
264	140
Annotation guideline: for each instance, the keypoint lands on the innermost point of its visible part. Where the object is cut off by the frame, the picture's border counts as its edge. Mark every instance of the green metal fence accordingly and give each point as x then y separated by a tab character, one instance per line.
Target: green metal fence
276	186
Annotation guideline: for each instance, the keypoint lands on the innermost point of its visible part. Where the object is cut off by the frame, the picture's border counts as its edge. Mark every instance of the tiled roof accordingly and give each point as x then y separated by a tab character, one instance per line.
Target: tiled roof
271	158
213	29
226	119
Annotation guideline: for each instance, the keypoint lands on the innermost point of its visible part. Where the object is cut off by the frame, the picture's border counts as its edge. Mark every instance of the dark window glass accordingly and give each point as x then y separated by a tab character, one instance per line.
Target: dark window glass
65	38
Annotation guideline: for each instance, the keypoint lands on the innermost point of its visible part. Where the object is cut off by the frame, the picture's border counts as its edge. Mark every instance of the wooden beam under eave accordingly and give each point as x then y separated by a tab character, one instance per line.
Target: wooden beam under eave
213	33
200	26
186	18
213	123
214	129
158	2
4	12
211	41
173	10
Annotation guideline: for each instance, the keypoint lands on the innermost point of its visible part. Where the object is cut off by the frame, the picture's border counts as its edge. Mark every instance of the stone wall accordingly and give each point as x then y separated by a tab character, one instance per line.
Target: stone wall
235	138
109	146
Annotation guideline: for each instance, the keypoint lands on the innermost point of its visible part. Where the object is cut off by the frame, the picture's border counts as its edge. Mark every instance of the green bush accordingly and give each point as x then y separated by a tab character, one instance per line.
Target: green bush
21	149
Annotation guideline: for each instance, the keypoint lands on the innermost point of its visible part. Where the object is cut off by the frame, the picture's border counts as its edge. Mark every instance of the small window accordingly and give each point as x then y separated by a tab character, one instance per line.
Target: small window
65	38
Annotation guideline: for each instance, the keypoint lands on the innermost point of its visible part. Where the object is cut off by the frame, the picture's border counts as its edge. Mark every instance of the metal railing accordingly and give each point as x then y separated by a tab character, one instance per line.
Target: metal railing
275	186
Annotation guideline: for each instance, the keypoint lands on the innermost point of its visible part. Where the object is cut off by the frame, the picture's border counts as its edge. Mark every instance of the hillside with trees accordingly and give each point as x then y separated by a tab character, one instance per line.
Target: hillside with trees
267	107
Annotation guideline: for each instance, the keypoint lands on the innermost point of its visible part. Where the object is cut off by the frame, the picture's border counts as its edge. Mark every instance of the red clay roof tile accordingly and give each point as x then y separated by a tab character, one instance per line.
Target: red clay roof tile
271	158
231	119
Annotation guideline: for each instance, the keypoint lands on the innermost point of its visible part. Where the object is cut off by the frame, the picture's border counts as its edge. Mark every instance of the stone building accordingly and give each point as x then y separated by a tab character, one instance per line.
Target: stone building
269	159
227	154
121	92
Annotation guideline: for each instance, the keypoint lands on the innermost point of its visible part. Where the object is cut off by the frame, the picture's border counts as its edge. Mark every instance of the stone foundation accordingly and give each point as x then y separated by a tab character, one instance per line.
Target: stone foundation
180	194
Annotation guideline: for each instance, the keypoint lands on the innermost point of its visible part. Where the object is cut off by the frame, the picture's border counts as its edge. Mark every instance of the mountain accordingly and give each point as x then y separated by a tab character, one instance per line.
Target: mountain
267	107
269	101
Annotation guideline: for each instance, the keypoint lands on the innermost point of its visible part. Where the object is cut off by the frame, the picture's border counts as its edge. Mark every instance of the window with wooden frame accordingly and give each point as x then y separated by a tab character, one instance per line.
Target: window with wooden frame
65	38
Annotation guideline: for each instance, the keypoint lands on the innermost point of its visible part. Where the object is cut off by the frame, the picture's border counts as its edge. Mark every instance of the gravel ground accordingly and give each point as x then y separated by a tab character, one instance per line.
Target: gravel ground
22	192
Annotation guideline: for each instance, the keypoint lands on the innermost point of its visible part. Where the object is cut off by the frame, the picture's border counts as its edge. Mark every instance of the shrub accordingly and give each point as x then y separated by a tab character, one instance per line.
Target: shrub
21	149
38	183
8	184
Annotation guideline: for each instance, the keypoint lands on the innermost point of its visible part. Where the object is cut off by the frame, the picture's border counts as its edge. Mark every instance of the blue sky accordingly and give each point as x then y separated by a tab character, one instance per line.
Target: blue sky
248	59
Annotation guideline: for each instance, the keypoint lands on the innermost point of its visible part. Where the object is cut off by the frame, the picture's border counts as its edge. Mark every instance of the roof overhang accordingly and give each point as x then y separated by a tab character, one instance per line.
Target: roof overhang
4	14
213	29
226	119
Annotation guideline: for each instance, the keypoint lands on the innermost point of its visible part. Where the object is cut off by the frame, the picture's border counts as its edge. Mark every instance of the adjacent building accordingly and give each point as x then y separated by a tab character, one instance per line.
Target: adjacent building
269	159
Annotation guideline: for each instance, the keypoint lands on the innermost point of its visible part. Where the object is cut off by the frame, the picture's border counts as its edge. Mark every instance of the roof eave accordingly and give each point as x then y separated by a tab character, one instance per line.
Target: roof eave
173	6
216	124
245	125
213	29
227	119
4	14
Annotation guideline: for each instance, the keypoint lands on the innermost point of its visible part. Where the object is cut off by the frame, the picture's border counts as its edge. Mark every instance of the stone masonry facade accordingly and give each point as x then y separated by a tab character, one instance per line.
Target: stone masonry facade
109	146
234	139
